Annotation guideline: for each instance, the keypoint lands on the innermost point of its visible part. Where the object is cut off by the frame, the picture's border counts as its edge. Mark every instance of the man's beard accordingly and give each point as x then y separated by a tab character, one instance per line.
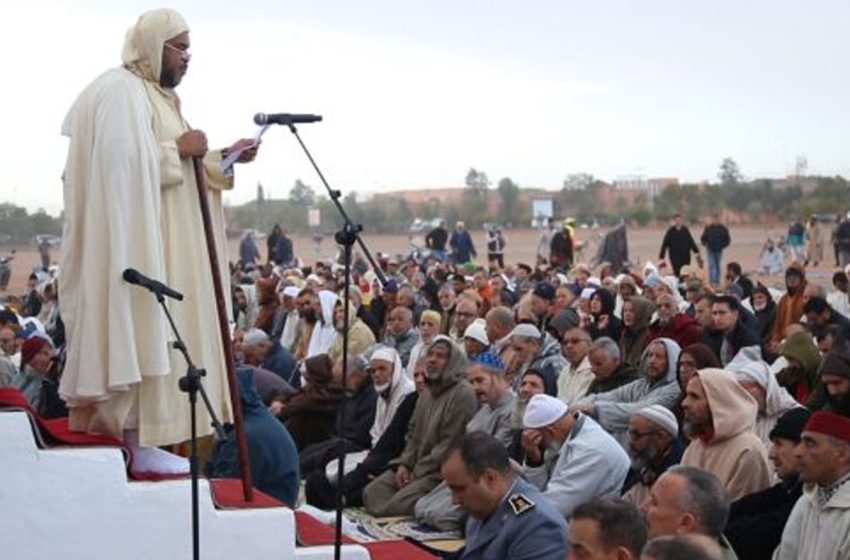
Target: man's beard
663	321
168	78
432	377
840	404
309	316
642	459
694	428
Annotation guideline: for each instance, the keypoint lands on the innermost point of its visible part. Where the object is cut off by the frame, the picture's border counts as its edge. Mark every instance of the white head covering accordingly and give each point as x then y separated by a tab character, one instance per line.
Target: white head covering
476	331
291	291
400	387
526	330
661	417
543	410
143	42
777	399
587	293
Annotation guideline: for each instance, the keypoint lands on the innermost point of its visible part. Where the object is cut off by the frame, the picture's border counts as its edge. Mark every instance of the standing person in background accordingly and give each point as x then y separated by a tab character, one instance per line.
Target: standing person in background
715	237
461	244
842	237
561	250
248	251
436	241
797	241
679	242
833	239
271	242
496	247
544	246
814	242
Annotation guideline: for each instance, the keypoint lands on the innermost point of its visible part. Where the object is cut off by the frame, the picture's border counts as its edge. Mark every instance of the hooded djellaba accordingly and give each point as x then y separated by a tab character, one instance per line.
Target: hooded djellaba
800	376
310	414
389	397
634	337
729	450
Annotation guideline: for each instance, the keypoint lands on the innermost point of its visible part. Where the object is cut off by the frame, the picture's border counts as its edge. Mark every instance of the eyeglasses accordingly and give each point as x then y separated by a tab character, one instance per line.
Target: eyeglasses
634	434
183	52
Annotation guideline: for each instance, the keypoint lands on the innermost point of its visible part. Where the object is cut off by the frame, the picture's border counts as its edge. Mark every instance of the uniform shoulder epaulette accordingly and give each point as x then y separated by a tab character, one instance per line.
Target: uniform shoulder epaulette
520	503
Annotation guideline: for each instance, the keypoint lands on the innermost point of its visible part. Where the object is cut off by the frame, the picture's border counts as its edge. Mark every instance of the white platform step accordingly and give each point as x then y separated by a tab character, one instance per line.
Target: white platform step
77	504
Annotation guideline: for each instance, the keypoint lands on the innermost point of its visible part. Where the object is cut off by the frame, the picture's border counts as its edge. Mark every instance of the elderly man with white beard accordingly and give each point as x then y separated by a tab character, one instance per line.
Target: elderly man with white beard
658	385
654	446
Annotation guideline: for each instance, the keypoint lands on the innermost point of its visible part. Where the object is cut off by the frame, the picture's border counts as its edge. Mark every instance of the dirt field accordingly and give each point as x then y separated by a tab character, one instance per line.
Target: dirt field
521	246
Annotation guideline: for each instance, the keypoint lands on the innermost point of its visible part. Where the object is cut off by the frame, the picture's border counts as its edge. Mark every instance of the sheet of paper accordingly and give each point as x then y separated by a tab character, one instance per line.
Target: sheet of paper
231	158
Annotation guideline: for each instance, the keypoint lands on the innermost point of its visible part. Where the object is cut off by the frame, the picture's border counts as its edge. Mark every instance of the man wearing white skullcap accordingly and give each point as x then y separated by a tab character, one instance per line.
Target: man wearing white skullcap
654	446
533	350
569	456
131	200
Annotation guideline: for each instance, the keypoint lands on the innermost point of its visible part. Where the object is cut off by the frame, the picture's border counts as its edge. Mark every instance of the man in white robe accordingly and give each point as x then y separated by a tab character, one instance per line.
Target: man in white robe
131	200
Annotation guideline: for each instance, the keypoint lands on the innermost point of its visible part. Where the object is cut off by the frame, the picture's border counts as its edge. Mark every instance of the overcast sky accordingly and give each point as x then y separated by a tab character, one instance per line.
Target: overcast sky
415	93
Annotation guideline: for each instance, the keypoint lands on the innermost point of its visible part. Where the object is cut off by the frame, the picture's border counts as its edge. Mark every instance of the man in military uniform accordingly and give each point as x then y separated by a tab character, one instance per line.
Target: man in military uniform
508	518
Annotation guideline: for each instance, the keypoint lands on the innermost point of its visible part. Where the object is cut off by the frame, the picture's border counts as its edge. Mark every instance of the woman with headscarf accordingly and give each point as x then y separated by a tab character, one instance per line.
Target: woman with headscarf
637	312
311	413
604	323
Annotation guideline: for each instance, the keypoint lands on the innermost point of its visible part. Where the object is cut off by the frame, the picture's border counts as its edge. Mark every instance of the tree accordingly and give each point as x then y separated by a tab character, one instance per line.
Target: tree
509	196
730	173
477	181
578	181
302	195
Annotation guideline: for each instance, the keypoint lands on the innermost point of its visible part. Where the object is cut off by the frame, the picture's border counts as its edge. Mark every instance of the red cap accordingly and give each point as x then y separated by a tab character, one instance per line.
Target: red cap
830	424
30	348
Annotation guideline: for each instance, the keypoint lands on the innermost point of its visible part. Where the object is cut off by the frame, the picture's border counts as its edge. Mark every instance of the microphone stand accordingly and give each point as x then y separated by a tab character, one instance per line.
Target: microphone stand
191	384
347	236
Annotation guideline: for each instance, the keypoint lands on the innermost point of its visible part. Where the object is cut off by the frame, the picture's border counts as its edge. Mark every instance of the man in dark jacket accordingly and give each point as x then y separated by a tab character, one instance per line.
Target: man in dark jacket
679	242
561	250
715	238
735	277
436	241
271	450
259	350
461	244
736	335
609	371
820	315
756	521
353	421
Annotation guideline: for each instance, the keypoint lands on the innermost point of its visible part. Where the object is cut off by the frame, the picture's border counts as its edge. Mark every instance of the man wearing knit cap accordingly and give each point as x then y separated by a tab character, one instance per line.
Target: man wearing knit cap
654	446
756	520
569	456
131	200
541	303
37	359
819	525
486	374
835	377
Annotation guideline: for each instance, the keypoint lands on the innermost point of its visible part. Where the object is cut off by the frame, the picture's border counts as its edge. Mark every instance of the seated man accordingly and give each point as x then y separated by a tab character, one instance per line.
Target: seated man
38	378
687	500
608	368
604	529
271	450
719	416
673	324
533	350
657	386
576	377
401	334
440	415
487	377
655	446
585	462
818	526
757	520
508	517
259	350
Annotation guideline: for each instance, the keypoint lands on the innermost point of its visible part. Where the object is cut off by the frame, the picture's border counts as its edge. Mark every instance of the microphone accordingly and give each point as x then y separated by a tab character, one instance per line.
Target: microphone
133	276
285	118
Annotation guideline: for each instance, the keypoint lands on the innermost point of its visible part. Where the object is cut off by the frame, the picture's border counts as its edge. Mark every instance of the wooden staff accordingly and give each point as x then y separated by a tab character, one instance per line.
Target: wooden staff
224	331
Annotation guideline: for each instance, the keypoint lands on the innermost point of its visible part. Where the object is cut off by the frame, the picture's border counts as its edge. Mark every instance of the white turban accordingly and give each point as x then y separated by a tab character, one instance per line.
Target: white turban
661	417
543	410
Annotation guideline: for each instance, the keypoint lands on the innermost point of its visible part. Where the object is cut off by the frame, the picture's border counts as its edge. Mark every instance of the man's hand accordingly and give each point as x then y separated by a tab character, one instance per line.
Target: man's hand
249	154
276	407
192	144
403	476
531	442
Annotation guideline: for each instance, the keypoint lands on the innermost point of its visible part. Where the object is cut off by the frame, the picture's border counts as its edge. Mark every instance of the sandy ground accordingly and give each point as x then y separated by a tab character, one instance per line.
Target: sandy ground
521	246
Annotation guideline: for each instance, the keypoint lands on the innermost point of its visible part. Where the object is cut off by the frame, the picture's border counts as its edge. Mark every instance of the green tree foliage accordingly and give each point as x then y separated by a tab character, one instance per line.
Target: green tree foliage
509	201
730	173
302	195
477	181
18	226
